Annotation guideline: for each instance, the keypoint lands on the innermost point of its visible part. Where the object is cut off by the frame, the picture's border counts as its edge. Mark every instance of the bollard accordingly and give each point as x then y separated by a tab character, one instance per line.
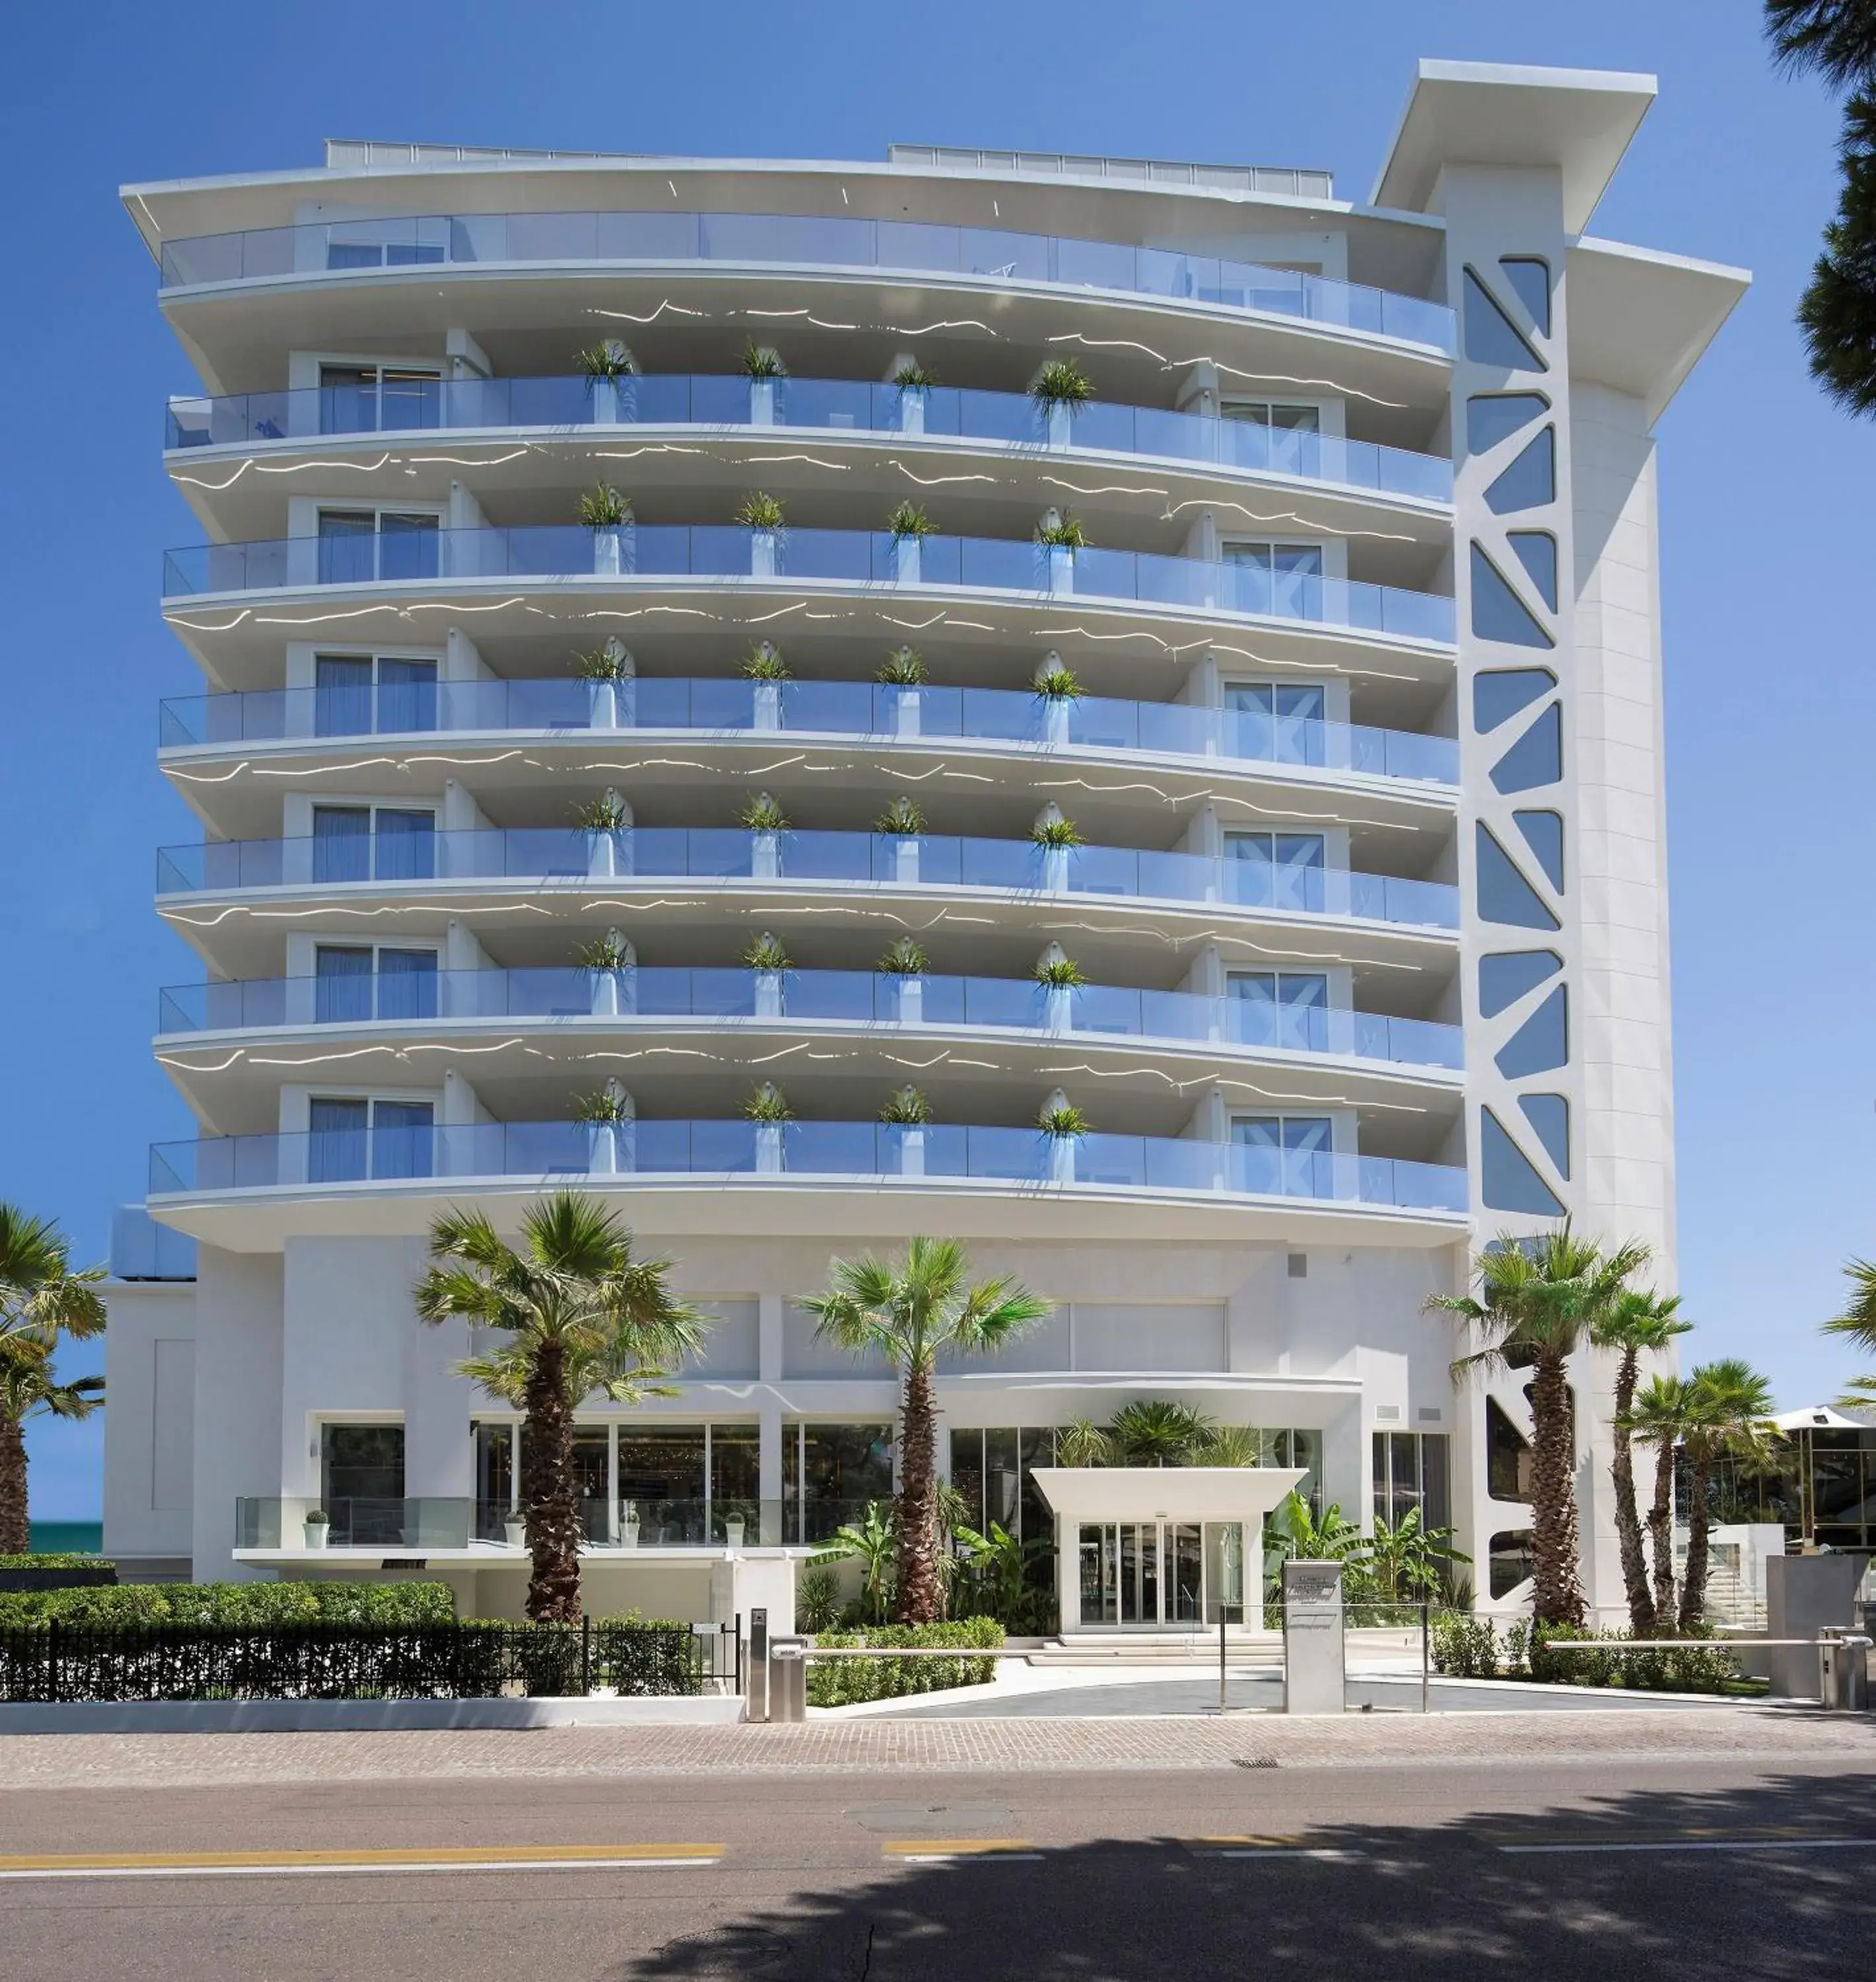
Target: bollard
756	1704
788	1679
1843	1670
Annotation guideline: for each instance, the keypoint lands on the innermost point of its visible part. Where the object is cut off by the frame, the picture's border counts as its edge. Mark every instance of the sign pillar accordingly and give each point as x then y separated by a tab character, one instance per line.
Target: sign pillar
1313	1660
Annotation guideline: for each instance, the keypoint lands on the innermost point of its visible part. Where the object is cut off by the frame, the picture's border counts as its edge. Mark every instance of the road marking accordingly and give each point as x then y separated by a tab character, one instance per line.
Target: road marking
1794	1843
393	1858
938	1850
1251	1845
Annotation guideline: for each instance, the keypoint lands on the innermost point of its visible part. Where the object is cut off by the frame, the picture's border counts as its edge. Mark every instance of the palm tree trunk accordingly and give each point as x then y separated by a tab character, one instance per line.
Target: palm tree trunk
1693	1589
15	1528
919	1595
1661	1533
1553	1547
553	1515
1628	1519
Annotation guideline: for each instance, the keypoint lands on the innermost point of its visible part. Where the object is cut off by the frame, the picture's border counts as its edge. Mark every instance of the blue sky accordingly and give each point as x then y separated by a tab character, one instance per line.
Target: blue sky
1766	492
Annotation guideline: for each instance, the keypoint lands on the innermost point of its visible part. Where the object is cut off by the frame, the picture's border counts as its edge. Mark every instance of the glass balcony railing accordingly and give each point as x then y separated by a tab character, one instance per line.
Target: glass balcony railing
840	709
798	241
864	557
853	997
544	856
406	406
437	1522
542	1152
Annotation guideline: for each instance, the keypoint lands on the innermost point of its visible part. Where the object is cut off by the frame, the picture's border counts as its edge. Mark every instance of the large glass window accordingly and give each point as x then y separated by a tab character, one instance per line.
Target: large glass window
357	546
830	1472
1507	1456
592	1474
355	695
1276	722
498	1479
1285	579
1277	870
993	1468
367	398
355	1136
1413	1469
1279	1008
361	1483
365	842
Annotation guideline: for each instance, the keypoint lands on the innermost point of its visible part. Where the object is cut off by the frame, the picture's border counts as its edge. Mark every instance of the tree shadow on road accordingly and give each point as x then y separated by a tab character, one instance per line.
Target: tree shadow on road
1468	1898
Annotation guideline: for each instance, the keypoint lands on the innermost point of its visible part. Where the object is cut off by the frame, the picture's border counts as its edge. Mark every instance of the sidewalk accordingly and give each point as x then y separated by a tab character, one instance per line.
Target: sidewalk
1746	1732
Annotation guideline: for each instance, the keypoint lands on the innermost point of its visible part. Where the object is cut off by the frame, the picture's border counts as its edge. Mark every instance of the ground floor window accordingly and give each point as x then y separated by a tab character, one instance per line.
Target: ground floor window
1412	1469
829	1473
993	1471
361	1483
1161	1574
655	1484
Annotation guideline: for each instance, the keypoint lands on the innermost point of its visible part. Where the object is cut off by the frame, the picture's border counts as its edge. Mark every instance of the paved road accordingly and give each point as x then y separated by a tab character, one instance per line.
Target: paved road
1603	1868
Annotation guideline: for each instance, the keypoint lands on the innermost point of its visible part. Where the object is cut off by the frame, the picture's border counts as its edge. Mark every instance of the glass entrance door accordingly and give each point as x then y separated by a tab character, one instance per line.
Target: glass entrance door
1161	1575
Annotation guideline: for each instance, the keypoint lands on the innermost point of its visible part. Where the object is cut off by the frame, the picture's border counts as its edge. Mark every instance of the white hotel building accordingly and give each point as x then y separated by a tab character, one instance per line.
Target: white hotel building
1363	762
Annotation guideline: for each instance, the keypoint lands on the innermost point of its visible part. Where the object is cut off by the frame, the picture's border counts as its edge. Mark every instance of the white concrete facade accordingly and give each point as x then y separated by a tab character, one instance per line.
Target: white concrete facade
1344	729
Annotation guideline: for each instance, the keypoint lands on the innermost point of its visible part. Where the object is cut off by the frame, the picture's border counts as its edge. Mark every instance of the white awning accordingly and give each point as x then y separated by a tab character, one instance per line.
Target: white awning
1819	1417
1165	1492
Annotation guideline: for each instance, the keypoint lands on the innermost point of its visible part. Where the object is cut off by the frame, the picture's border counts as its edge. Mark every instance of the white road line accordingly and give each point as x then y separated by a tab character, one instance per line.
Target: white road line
1700	1844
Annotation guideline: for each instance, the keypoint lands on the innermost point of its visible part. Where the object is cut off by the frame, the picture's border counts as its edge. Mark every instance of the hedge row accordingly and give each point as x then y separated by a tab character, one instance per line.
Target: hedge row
841	1682
129	1604
59	1558
1469	1647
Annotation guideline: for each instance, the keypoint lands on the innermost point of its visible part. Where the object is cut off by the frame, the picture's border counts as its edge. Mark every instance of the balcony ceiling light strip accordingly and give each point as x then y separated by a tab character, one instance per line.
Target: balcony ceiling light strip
627	316
1221	364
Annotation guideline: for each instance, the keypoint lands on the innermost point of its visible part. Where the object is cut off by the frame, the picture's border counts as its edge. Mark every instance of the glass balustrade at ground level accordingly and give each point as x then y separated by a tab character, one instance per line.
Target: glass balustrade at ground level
417	551
646	995
799	240
1293	882
439	1522
407	405
542	1152
427	707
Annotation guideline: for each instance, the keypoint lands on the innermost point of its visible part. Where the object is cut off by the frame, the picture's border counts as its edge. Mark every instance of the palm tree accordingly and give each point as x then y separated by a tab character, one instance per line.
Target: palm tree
1153	1432
1637	1323
1730	1416
580	1313
41	1300
1659	1416
1538	1301
1858	1322
911	1311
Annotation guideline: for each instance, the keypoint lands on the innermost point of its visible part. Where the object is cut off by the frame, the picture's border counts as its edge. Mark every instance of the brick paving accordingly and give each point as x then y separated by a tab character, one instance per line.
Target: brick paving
1744	1734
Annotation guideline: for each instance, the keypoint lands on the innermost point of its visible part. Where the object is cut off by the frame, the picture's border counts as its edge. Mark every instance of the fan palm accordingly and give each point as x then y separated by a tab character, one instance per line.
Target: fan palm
41	1300
1729	1416
579	1313
1636	1324
1538	1301
1858	1322
1152	1432
1658	1416
911	1311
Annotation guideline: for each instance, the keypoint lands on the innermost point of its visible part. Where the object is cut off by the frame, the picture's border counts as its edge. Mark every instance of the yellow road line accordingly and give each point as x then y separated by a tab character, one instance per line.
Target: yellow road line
368	1858
957	1847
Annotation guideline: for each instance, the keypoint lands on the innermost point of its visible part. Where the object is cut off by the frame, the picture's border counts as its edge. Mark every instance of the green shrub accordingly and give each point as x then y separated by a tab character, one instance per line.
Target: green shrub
53	1559
841	1682
1466	1647
233	1603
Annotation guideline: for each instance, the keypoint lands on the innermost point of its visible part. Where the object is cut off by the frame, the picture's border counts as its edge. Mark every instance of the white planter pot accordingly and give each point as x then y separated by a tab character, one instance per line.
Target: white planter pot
769	704
766	855
905	712
762	553
769	1149
1055	721
629	1533
601	860
1060	426
911	409
516	1532
602	708
1058	1008
315	1532
605	402
603	994
602	1148
761	403
1061	1159
912	1001
905	860
906	550
768	994
911	1153
606	553
733	1529
1055	869
1060	568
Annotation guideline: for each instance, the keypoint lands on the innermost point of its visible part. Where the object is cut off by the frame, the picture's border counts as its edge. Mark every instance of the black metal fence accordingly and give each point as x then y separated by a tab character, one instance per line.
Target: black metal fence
76	1662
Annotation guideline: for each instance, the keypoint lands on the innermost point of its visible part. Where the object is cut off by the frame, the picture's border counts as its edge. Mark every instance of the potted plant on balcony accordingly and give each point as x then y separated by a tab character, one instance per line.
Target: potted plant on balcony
610	674
902	821
1062	1126
733	1528
1060	388
761	516
629	1524
763	368
610	1116
1056	834
609	516
768	959
906	961
769	1109
316	1527
1058	689
609	961
1060	976
909	526
764	819
610	368
764	666
605	820
515	1529
1060	535
903	671
909	1111
913	382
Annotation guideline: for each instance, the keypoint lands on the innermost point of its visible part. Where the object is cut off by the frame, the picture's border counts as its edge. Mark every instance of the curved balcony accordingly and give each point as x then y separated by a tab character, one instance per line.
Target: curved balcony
985	256
646	995
573	856
567	552
823	708
838	406
859	1152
